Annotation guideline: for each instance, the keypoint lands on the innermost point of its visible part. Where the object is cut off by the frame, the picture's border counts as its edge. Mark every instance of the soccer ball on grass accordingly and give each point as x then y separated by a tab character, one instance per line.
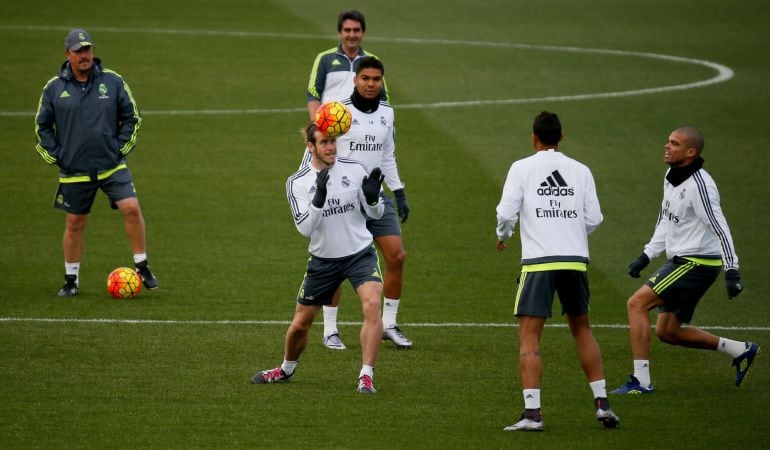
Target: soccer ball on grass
124	283
332	119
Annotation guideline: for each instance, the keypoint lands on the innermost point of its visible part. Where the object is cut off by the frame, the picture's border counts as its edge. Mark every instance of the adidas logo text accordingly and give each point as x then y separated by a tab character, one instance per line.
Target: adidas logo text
555	185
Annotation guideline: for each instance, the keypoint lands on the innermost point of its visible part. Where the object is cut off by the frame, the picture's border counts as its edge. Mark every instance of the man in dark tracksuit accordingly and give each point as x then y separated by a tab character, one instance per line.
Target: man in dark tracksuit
86	123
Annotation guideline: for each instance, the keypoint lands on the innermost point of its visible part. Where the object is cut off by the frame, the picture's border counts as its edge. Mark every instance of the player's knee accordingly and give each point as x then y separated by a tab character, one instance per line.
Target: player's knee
666	336
300	325
76	224
634	305
396	259
130	208
371	308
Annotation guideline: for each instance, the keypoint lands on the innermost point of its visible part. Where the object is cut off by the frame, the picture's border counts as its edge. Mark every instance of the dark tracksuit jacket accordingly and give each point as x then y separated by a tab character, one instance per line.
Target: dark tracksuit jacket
87	130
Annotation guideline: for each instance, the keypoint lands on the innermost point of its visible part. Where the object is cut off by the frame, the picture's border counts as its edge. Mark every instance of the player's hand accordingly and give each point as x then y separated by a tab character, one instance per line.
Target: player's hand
320	188
372	185
638	265
501	246
403	205
733	283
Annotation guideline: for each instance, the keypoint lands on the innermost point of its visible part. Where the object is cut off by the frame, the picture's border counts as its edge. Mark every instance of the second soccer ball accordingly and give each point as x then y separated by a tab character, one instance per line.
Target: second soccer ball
124	283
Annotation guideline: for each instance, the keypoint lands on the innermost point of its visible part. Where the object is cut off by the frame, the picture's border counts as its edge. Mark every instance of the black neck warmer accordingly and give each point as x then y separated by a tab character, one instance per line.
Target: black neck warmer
677	175
364	105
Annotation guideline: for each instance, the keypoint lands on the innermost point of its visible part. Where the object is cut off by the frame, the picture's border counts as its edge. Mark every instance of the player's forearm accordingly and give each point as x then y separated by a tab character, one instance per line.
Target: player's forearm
312	106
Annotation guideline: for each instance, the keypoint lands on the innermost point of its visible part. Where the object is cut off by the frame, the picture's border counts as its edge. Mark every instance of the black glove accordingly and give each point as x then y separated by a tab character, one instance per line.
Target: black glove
638	265
372	185
320	188
733	283
403	205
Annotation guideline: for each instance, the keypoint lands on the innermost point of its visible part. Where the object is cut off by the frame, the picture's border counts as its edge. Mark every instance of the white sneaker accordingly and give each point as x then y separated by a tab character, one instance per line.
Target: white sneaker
394	334
525	424
607	418
333	342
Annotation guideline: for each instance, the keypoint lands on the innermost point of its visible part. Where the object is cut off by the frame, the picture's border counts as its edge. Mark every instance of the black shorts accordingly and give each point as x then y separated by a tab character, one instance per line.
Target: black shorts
78	198
534	296
681	283
324	276
387	225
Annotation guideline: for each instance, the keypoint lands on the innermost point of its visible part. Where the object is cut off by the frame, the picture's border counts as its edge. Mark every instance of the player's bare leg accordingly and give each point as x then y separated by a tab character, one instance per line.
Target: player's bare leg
73	244
588	349
296	341
638	307
530	370
591	361
371	333
134	222
669	330
73	237
296	335
530	367
393	252
135	229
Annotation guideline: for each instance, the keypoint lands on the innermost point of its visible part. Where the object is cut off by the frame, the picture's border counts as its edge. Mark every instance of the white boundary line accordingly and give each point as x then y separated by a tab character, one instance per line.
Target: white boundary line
724	73
287	322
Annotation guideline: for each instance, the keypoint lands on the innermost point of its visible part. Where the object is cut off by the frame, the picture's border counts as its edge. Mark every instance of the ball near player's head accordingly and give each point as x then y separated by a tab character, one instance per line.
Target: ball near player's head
322	148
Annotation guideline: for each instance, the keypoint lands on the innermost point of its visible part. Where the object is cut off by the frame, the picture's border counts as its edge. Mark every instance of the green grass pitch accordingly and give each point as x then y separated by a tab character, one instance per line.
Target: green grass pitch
221	86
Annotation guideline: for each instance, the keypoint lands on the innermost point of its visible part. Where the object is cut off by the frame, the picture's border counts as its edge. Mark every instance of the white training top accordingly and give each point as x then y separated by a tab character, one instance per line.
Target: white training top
555	198
370	140
339	228
691	222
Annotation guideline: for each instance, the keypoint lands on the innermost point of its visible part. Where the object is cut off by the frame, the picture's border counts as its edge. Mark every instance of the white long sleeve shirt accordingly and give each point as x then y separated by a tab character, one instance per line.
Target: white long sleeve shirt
370	140
691	222
554	197
338	229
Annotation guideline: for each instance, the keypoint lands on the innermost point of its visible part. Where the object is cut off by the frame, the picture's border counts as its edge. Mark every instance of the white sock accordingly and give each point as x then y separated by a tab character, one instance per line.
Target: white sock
531	398
366	370
73	269
139	257
390	312
289	367
599	388
330	320
642	372
732	348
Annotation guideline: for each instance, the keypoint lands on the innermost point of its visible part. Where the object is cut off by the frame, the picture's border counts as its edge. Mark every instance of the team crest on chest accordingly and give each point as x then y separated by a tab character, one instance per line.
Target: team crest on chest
103	91
345	181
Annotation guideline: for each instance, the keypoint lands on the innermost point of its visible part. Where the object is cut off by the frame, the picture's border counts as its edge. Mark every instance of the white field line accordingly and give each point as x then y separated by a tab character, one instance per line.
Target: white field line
287	322
723	73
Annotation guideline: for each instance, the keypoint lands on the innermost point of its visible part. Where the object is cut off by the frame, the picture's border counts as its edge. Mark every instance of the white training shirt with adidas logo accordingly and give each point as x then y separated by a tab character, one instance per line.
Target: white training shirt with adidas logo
554	198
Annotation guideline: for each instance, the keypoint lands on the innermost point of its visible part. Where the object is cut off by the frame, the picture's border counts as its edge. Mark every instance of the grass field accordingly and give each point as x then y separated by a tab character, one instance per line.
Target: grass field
221	86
